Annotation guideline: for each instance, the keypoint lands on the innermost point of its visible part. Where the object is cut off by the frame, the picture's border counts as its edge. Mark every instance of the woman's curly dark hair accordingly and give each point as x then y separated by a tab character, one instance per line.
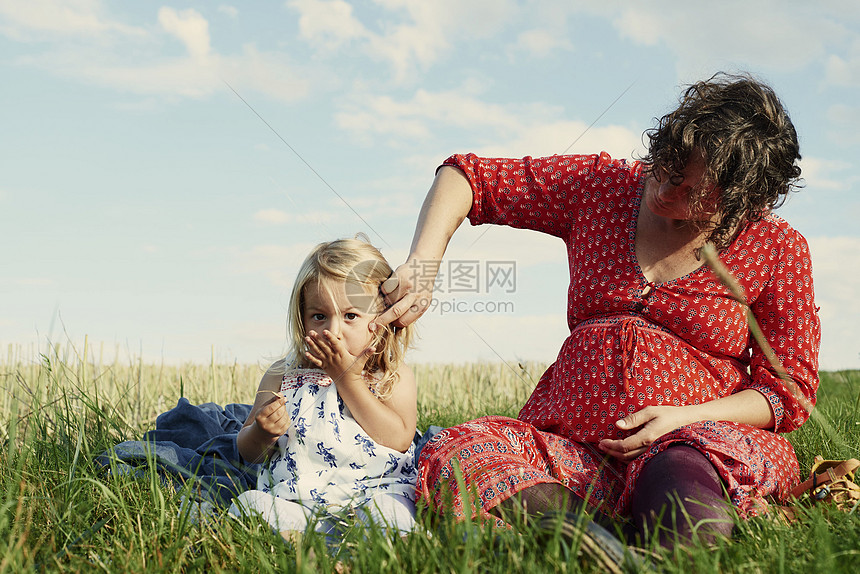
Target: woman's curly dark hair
748	142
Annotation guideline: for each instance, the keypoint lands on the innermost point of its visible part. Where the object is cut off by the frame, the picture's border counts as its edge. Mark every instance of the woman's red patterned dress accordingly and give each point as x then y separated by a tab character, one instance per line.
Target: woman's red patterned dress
634	344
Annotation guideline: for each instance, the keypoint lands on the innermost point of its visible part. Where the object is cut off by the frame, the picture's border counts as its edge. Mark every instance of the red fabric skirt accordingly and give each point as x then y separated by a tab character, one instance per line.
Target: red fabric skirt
496	457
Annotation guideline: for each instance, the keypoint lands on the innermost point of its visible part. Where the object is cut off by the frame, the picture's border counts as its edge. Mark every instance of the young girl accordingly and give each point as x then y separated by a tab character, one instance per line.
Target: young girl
337	416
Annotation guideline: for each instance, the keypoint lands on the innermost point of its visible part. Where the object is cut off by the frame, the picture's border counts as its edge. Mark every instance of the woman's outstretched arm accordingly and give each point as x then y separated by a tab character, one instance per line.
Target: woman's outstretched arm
446	206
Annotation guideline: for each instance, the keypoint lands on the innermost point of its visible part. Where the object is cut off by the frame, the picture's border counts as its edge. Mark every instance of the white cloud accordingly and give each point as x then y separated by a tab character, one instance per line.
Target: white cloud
643	27
844	69
420	44
481	17
278	263
269	73
229	11
433	29
201	73
280	217
489	337
823	173
30	282
836	268
412	33
540	43
842	72
795	34
177	77
509	130
555	137
414	118
328	24
845	121
275	216
65	17
190	27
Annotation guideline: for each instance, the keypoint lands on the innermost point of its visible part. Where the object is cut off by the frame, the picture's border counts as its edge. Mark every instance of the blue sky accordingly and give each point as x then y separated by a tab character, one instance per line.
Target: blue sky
146	206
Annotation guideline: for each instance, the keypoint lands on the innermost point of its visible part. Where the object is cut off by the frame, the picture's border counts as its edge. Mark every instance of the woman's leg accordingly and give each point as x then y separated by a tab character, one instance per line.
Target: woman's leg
548	497
496	465
679	495
507	469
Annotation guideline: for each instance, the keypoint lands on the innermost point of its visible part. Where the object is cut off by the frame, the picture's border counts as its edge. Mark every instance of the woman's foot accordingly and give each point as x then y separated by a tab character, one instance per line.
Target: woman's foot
594	544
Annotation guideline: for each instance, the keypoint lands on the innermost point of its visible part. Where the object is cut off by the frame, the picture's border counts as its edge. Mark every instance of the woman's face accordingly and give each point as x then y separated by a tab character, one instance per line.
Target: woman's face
669	196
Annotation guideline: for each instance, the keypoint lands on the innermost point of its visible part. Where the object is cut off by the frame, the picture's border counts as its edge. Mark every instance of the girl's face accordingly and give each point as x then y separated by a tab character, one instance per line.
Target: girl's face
327	306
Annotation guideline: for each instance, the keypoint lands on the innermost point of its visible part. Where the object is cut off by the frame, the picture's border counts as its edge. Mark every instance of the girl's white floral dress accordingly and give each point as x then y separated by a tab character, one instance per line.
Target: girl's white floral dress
327	461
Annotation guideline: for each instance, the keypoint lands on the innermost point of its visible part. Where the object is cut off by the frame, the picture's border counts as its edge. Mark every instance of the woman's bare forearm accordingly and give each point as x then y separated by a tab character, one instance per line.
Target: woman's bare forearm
447	204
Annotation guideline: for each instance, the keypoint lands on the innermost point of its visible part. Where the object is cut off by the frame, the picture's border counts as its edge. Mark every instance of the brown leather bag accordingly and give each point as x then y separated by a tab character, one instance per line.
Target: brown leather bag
831	481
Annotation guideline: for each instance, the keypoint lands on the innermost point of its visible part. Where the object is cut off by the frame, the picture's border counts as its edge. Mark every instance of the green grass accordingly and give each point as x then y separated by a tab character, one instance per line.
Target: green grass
60	512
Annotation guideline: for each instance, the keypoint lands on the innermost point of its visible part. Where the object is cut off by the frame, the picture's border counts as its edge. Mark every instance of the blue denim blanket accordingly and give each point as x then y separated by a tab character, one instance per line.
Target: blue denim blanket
196	445
191	444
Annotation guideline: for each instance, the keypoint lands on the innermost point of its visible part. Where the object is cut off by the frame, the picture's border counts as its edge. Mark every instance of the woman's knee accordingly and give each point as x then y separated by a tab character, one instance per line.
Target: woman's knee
682	467
679	494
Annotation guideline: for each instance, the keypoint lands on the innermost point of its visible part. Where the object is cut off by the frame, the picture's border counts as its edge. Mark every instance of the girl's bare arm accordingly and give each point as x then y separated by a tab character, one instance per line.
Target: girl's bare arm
267	421
391	422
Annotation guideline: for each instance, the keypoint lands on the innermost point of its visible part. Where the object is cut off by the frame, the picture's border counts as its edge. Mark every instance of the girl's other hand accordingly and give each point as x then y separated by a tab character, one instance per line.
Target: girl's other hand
273	419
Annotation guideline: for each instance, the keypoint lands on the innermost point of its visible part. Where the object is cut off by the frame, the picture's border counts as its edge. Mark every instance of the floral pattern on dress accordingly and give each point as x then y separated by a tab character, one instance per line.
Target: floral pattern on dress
315	463
634	343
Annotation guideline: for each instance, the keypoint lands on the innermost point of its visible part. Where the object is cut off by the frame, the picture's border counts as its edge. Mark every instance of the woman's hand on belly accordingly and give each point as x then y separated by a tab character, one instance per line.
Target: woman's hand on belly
647	425
747	406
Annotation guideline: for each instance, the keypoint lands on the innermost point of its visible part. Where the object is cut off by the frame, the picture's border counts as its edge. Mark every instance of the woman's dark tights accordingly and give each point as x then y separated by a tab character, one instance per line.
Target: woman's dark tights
678	495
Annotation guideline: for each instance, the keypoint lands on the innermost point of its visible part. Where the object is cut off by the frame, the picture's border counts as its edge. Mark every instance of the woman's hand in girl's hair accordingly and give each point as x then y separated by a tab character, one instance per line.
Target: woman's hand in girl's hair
408	293
329	352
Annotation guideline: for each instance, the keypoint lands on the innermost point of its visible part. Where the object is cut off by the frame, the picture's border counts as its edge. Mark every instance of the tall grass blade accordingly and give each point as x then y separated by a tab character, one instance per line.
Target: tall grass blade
730	282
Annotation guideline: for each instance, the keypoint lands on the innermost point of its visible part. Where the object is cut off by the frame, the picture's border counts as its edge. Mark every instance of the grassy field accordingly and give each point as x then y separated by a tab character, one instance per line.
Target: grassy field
62	407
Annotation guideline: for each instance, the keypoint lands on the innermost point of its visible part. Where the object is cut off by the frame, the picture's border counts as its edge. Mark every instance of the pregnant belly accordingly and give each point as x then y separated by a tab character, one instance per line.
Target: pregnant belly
610	367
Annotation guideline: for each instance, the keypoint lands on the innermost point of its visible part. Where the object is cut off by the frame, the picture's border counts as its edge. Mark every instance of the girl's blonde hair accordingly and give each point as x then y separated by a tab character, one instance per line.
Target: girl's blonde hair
362	269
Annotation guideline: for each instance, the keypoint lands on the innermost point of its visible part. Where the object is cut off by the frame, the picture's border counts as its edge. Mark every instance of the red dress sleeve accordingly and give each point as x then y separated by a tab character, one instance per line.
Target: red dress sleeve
785	309
543	194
